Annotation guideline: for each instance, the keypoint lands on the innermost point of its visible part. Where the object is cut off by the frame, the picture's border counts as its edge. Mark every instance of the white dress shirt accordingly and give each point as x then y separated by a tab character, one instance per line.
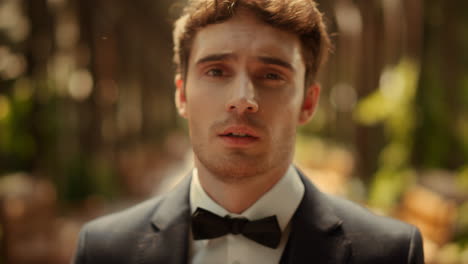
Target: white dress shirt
282	200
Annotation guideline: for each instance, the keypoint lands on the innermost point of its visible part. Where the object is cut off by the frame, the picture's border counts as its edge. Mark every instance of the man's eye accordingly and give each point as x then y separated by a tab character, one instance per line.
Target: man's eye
215	72
273	76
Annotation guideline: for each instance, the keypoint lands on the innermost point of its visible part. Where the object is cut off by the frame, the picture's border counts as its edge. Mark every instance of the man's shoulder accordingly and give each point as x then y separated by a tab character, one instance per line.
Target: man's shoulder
131	218
358	217
114	238
374	235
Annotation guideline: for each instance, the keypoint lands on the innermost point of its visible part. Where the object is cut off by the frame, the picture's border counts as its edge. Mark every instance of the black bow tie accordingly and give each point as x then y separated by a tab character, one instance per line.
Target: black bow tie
206	225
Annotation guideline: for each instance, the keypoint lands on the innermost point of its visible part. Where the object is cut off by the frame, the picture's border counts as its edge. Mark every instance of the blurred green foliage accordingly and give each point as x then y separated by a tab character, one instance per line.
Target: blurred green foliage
86	177
392	105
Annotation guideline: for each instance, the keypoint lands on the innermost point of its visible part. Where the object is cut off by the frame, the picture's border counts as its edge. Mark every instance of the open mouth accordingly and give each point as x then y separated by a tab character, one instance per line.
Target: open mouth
238	135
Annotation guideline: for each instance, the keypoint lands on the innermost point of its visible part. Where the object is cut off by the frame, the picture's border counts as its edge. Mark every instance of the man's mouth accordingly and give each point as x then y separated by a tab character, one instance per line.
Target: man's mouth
240	135
240	132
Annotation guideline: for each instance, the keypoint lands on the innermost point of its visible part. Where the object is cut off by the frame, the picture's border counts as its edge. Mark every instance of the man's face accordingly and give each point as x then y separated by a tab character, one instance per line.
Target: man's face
244	97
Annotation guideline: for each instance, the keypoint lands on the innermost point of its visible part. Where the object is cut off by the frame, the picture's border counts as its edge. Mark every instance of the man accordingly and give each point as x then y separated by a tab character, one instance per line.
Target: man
245	81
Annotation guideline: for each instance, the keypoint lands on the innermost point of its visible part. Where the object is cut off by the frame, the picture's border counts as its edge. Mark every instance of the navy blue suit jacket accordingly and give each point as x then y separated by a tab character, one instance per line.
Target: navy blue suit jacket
325	229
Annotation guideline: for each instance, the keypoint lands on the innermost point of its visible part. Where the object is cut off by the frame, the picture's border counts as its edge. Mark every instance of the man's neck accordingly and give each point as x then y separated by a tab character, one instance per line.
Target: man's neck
238	196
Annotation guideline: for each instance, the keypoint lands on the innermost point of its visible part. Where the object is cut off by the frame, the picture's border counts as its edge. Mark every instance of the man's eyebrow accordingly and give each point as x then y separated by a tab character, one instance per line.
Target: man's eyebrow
216	57
276	61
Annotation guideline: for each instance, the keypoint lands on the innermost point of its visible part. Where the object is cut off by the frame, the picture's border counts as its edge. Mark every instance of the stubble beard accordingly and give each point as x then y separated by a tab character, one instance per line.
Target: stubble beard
238	166
235	167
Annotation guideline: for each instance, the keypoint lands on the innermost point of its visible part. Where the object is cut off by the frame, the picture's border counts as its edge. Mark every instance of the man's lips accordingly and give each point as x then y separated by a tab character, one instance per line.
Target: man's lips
239	131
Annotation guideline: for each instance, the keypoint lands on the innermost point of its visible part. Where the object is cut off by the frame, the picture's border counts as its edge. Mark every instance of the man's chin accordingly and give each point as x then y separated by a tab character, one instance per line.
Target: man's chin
235	175
235	170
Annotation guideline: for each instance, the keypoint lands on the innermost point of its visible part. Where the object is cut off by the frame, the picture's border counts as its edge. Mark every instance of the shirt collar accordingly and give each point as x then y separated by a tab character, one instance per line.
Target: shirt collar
272	202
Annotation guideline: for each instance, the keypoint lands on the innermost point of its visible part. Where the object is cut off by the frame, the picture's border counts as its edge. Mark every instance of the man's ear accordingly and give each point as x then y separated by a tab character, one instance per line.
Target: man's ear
310	103
180	99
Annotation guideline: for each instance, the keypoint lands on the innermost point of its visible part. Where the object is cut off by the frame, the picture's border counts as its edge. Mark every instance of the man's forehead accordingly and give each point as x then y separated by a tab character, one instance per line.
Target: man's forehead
244	36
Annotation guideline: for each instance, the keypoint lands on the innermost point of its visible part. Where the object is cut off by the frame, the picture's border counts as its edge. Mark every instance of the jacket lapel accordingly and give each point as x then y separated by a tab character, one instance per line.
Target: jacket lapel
168	241
316	233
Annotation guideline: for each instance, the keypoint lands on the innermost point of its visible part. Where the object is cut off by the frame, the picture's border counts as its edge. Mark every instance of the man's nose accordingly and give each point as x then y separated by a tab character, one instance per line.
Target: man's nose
243	98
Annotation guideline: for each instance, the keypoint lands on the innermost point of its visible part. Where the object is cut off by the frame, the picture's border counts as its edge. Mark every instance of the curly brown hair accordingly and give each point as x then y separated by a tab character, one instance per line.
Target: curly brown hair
300	17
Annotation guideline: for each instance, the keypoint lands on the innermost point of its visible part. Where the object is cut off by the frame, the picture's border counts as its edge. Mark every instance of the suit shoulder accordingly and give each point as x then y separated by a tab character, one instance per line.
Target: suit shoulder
386	236
126	219
360	217
114	238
